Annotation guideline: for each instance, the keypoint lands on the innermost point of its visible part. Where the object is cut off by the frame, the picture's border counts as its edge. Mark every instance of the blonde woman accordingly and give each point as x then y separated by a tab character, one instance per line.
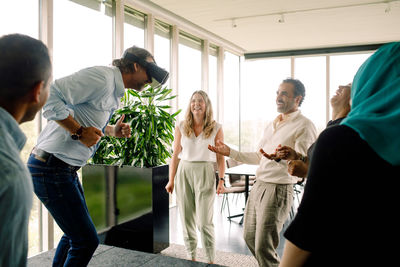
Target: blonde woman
192	173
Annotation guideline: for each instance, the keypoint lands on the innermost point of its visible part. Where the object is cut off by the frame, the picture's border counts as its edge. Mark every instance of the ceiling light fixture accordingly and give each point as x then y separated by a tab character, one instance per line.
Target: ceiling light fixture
234	25
387	4
282	18
387	9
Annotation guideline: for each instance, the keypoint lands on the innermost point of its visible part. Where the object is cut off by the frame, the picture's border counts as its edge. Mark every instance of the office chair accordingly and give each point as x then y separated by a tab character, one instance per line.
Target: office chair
236	179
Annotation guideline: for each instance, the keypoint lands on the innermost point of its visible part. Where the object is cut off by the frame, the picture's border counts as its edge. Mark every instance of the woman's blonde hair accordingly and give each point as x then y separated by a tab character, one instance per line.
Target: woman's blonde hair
209	122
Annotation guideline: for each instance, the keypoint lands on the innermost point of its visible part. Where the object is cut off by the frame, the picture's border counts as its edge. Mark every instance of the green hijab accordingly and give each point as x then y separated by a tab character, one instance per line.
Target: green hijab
375	110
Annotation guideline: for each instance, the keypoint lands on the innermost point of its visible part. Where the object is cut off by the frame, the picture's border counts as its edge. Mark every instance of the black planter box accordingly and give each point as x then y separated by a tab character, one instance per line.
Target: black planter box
129	205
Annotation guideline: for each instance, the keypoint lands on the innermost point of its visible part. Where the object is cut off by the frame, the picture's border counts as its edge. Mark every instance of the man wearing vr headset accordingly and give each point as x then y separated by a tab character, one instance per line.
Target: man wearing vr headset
79	109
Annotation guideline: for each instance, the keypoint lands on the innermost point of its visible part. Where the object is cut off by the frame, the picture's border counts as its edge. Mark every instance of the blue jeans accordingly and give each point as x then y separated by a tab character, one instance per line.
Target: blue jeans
58	187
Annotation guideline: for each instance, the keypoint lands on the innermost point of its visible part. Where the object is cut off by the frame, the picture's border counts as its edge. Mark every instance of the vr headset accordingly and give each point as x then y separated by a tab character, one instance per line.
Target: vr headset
157	75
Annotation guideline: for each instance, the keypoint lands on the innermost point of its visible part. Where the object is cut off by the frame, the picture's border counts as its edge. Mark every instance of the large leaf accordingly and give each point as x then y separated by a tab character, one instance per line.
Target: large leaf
152	130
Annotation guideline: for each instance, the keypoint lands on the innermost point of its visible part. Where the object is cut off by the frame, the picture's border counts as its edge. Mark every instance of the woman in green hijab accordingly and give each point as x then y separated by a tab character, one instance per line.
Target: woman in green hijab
346	217
375	111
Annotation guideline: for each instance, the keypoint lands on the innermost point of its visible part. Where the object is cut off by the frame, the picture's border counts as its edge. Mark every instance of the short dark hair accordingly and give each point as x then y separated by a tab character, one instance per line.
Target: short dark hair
126	65
24	61
299	88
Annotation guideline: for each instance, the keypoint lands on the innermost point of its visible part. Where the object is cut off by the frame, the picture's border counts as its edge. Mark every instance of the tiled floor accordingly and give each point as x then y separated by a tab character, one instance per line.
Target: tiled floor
229	238
228	234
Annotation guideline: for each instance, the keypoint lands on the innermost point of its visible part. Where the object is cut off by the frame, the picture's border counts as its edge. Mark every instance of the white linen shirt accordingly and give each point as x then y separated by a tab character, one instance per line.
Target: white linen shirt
196	148
296	131
91	96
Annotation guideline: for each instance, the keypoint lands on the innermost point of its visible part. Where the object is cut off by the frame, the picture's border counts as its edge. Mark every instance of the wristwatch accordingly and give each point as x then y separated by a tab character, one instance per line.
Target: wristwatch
77	135
302	158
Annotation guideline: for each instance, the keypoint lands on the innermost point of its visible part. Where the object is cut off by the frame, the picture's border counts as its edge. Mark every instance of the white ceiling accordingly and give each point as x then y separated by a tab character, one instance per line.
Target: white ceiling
307	23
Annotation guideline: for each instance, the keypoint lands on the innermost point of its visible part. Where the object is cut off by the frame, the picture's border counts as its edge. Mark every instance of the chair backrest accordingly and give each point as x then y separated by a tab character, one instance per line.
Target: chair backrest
232	163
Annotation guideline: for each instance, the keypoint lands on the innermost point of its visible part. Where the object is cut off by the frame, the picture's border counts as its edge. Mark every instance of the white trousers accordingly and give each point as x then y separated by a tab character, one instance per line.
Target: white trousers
195	193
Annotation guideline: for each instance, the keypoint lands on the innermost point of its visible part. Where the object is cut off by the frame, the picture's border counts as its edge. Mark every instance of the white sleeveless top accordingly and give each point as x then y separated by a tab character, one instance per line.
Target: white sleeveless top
196	148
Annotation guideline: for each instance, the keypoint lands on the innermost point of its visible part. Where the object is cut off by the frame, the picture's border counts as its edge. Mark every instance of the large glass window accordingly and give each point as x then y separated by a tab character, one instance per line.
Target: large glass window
231	99
261	79
31	132
189	73
82	35
83	40
23	17
162	46
133	28
258	103
212	78
20	17
311	71
342	70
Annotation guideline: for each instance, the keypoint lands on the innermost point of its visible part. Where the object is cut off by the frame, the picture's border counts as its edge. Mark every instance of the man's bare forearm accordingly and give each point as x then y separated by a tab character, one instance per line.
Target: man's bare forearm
109	131
69	124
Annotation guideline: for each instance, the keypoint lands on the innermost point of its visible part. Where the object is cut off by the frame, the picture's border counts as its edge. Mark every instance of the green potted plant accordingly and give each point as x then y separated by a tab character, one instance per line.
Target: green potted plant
125	179
152	131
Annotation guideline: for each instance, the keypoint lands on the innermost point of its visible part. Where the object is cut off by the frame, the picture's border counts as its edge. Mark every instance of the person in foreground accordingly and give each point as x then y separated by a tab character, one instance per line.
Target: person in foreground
271	197
25	75
192	173
351	224
298	165
79	109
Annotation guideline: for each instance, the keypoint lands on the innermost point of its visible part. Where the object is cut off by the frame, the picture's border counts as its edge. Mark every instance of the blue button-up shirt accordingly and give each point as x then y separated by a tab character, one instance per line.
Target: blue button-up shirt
16	193
91	96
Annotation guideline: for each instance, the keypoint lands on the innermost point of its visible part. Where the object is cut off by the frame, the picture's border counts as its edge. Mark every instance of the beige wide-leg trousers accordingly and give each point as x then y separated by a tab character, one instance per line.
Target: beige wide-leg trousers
195	194
266	211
